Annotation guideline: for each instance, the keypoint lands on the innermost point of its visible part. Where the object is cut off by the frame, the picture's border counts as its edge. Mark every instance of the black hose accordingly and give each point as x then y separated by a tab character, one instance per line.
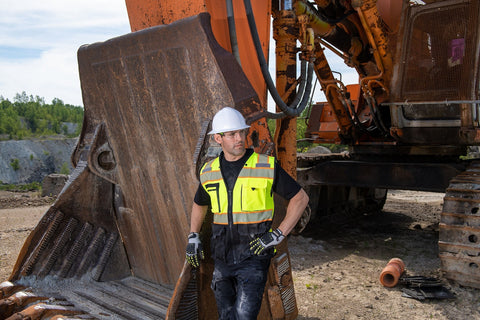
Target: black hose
308	89
303	103
375	116
301	87
293	110
357	123
232	31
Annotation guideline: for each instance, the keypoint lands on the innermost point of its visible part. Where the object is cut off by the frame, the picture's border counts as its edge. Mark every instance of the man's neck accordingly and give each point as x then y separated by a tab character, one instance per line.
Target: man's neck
231	158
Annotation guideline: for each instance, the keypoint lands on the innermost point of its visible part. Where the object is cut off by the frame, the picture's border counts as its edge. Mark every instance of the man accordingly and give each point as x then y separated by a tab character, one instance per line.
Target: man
238	186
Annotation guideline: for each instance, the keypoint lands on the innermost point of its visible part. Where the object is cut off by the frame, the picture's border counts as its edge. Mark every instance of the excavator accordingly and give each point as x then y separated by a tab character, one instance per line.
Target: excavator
112	245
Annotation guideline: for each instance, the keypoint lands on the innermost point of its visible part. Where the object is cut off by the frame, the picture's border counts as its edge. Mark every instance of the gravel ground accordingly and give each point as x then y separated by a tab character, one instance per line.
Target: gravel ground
336	269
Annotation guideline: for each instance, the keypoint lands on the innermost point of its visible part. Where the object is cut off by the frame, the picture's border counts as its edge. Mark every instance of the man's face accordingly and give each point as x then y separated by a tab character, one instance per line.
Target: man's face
233	143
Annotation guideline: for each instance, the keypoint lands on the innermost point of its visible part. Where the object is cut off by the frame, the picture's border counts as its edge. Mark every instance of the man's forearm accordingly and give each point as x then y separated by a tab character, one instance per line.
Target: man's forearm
197	217
295	209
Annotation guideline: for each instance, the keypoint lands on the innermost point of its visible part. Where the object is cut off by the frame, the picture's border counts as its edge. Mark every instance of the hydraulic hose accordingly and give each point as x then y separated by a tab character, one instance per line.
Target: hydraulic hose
301	87
308	89
294	109
303	102
232	30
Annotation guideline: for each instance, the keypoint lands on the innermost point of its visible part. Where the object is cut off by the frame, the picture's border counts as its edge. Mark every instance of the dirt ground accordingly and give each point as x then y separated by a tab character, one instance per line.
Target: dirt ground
19	214
336	270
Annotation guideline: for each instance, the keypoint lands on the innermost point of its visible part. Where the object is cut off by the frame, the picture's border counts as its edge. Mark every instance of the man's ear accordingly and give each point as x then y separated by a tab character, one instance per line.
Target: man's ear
217	138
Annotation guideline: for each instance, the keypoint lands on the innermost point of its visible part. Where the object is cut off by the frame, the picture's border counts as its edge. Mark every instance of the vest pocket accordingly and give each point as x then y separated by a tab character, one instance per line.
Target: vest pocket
213	189
254	195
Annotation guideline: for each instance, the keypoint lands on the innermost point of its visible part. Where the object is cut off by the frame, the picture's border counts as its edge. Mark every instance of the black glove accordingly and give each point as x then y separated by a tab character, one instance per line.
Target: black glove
266	241
194	249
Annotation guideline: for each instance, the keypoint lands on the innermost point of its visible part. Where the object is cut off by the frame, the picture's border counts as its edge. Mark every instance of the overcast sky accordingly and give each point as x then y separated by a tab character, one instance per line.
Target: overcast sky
39	42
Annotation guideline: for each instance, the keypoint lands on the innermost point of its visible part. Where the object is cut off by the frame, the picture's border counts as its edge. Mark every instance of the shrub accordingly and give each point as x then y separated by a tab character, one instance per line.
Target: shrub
15	163
34	186
64	169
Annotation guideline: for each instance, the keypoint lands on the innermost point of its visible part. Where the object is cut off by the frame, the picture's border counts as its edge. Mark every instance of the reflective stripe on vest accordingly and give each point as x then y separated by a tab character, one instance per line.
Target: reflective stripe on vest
252	193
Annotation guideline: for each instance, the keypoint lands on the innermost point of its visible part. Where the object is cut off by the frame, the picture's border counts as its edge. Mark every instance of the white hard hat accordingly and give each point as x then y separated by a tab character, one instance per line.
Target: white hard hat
228	119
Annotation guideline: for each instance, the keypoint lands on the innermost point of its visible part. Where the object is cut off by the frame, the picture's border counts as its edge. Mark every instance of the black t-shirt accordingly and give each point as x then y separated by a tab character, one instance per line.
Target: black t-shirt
283	184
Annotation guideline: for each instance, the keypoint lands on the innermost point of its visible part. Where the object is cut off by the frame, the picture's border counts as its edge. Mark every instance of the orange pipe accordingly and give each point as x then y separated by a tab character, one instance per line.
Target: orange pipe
285	36
392	272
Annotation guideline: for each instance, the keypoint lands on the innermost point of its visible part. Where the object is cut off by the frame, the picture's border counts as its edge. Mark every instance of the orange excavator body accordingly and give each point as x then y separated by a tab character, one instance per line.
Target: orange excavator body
113	243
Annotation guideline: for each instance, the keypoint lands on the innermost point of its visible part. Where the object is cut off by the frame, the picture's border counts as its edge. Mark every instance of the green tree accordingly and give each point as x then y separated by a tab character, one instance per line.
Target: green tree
21	97
56	101
30	116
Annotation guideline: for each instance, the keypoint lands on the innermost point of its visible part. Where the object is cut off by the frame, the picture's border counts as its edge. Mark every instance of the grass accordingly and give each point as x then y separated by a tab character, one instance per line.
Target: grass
34	186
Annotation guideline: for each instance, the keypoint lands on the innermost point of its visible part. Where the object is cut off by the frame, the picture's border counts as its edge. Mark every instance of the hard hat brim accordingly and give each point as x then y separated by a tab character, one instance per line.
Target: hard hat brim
229	130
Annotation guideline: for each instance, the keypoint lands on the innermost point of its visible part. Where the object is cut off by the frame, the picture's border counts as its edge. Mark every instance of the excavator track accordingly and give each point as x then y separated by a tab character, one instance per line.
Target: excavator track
459	246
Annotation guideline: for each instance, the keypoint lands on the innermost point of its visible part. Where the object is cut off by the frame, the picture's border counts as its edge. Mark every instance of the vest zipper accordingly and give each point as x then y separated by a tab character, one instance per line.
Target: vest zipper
230	222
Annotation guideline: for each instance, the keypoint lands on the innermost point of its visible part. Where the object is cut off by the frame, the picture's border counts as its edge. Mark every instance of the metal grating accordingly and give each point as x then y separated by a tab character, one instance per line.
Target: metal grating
439	53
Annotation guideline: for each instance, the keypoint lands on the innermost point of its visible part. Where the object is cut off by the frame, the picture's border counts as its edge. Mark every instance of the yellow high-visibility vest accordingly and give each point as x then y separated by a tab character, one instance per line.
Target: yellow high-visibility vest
252	194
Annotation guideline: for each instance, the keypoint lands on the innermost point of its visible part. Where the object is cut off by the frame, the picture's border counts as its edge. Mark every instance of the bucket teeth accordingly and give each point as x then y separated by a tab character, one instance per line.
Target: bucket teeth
46	311
18	301
8	288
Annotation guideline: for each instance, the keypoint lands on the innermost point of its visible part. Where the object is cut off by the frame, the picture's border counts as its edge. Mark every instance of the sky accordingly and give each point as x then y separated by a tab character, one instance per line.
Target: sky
39	42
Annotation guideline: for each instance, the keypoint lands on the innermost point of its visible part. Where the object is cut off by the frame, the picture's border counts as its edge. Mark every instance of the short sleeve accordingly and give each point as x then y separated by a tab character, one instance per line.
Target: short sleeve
284	185
202	198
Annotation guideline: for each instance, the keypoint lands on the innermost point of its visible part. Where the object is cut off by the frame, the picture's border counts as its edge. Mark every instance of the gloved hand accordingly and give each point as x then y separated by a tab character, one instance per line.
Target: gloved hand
268	240
194	249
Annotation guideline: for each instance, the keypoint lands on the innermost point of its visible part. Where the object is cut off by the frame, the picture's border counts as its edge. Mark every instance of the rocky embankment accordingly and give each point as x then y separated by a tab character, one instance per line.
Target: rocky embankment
26	161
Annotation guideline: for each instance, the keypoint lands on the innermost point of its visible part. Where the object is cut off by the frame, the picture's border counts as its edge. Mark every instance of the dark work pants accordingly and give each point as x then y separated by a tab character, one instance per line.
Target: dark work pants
239	288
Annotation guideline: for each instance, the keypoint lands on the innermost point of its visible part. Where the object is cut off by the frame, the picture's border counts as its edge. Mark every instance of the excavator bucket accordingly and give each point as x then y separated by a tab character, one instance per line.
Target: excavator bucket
112	246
